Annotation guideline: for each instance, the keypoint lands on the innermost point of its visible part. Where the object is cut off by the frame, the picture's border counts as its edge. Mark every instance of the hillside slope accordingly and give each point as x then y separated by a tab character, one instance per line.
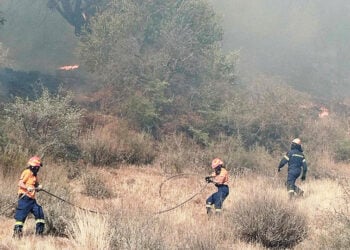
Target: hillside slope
139	193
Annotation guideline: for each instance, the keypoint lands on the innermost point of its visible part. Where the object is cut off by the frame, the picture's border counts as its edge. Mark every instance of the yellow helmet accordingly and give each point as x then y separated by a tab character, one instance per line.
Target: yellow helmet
35	161
297	141
216	162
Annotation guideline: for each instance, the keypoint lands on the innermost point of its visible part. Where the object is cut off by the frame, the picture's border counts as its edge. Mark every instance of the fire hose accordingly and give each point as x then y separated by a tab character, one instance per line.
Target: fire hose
53	195
11	205
69	203
181	203
93	211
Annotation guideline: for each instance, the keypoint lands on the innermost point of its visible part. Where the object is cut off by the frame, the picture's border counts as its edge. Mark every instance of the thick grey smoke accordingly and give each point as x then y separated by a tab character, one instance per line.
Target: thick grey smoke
36	38
305	42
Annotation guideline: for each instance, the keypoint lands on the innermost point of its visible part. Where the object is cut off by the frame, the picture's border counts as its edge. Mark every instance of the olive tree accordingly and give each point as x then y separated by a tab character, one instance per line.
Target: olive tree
159	56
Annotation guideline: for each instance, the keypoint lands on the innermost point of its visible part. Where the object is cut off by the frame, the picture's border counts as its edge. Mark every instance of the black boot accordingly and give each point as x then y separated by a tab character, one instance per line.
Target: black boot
209	210
39	228
17	232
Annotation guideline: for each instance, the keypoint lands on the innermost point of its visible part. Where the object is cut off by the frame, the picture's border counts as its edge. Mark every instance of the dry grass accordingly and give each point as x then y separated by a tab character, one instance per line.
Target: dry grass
90	231
180	152
135	200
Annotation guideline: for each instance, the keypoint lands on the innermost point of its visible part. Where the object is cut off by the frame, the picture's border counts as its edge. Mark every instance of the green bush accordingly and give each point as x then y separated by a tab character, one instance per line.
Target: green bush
47	125
270	221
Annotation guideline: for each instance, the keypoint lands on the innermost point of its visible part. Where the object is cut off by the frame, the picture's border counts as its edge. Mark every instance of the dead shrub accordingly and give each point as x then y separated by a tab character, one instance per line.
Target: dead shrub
95	187
12	158
208	239
256	159
270	221
57	220
139	150
58	214
90	231
342	151
8	200
74	170
338	234
114	143
130	232
179	152
237	158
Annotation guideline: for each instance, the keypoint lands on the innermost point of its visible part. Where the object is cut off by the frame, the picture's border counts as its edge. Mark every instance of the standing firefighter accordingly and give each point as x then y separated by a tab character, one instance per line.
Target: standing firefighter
220	178
28	185
296	166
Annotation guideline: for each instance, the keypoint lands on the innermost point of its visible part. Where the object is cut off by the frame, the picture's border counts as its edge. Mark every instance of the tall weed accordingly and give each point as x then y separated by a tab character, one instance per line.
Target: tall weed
90	231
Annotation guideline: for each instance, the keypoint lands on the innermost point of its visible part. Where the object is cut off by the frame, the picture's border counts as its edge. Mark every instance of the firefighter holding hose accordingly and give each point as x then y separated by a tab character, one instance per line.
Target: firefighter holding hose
28	186
219	178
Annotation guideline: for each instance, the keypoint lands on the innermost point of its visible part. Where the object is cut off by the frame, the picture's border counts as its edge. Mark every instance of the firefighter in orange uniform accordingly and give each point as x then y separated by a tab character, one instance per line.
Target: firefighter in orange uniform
220	178
28	186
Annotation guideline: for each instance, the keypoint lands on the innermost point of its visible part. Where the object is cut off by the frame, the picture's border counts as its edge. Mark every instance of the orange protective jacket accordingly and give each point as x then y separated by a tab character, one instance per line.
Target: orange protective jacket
28	178
222	178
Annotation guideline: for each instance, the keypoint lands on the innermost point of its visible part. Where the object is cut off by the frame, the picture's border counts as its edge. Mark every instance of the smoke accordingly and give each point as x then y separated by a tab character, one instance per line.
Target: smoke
303	42
37	38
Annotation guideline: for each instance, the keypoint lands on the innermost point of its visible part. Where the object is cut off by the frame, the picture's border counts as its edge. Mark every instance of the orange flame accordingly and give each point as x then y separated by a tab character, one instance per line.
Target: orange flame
69	67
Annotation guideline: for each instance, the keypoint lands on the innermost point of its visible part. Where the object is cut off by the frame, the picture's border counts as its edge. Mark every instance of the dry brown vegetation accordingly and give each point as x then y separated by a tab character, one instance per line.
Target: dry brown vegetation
126	158
128	219
125	176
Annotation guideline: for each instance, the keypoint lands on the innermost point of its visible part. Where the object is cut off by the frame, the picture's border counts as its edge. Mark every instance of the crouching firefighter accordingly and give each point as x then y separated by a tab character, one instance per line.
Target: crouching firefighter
296	166
220	178
28	186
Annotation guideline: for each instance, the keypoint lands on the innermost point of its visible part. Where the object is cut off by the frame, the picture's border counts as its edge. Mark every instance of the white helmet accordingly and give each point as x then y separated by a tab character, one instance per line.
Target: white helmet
297	141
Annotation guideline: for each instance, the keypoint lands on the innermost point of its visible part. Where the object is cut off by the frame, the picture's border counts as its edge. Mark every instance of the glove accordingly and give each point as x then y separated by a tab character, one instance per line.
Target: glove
208	179
30	189
39	188
303	178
